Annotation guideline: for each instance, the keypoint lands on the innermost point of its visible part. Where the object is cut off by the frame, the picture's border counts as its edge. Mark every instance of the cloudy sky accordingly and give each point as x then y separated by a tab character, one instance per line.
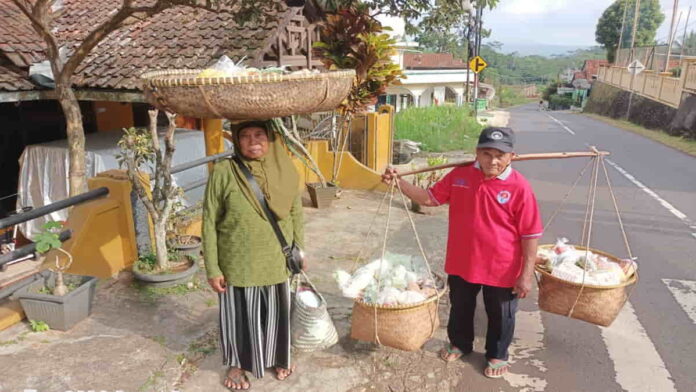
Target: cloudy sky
562	22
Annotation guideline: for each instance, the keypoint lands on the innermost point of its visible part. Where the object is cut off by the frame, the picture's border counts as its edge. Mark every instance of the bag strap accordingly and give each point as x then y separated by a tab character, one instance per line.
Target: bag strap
262	200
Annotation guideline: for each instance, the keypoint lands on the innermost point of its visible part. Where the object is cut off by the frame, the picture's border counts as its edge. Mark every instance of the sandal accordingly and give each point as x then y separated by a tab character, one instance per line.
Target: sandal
450	353
492	367
288	373
236	382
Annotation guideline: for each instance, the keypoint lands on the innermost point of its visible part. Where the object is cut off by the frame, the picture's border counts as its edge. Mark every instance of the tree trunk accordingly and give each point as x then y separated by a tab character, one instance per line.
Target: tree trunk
76	137
161	245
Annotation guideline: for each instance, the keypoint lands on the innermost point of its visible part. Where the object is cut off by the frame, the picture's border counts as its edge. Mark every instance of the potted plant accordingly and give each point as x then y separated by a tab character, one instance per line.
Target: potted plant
141	149
60	300
177	239
428	179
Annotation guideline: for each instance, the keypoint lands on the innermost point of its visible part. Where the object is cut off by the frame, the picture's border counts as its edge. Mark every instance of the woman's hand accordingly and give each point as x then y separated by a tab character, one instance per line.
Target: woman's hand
390	174
218	284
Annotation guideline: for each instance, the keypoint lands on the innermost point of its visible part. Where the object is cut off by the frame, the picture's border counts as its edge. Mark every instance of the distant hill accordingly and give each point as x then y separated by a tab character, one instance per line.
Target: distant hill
531	49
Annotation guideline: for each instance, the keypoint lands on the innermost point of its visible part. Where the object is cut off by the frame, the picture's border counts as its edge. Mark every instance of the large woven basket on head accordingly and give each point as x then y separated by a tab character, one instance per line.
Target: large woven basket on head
254	97
595	304
404	327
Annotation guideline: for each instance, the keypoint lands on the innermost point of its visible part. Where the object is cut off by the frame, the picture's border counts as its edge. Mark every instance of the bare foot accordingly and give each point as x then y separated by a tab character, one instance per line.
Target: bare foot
282	373
237	379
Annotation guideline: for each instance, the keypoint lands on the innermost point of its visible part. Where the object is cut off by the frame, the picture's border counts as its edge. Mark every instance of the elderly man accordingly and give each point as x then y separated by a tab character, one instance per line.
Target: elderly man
494	227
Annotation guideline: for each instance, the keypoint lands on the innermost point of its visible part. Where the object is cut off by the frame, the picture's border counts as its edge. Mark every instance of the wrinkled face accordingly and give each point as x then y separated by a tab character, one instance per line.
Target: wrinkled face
493	161
253	142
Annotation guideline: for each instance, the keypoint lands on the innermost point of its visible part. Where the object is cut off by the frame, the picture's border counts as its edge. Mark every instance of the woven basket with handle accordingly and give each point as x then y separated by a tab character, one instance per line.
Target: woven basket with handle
596	304
254	97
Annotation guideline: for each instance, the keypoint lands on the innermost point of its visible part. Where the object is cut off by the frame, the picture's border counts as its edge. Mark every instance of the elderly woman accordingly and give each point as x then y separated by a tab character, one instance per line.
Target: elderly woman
243	257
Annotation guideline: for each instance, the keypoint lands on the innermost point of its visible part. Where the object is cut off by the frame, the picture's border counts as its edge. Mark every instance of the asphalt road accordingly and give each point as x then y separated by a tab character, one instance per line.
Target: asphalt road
652	345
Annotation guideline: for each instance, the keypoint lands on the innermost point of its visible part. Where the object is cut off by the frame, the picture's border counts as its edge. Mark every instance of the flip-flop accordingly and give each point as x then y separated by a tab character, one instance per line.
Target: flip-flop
239	379
288	374
450	349
496	366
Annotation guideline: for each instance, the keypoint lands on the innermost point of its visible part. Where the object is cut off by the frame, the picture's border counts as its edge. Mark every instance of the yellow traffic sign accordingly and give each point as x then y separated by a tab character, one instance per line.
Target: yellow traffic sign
477	64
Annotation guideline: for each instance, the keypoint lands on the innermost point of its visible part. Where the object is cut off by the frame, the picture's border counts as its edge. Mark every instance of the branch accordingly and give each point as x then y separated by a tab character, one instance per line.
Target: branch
156	146
136	180
38	16
166	166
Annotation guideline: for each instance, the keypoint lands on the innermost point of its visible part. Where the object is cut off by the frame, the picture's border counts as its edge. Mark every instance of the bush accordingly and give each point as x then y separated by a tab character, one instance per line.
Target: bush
560	102
439	128
550	90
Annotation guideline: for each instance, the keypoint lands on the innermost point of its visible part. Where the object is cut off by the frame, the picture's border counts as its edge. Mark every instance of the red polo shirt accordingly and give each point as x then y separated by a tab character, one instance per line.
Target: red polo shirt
487	221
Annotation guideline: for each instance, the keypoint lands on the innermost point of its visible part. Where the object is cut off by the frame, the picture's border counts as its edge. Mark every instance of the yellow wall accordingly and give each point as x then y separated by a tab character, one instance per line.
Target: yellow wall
103	241
113	116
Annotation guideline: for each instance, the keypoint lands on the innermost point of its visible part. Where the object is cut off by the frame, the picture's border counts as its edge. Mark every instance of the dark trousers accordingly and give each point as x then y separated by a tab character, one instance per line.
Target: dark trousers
501	305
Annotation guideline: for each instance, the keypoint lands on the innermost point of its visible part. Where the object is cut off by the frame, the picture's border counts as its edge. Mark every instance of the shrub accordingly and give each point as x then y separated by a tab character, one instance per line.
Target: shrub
439	128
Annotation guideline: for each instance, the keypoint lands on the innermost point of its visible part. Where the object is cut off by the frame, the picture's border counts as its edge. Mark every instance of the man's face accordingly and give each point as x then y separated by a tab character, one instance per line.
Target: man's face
493	161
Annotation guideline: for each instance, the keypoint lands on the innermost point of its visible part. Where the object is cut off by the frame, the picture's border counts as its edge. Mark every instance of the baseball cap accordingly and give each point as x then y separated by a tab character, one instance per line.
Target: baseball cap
500	138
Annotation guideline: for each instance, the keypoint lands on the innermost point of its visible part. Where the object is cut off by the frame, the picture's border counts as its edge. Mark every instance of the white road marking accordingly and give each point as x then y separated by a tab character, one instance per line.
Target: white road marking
528	341
684	291
570	131
638	366
682	216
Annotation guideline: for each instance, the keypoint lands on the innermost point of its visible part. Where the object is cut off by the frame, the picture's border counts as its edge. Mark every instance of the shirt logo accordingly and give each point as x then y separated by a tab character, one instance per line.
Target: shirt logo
497	135
503	197
460	182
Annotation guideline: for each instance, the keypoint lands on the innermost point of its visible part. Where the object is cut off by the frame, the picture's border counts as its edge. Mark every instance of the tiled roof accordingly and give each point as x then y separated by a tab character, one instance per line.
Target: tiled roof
19	44
179	37
432	61
591	67
13	81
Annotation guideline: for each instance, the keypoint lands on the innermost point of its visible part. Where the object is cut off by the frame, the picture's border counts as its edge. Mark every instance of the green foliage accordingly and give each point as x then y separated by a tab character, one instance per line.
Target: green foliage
513	69
38	326
428	179
48	238
560	102
507	96
352	39
550	90
609	25
136	143
439	128
146	263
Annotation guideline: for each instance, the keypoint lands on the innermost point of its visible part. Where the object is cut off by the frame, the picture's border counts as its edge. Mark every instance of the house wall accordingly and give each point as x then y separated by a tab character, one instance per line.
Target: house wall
113	116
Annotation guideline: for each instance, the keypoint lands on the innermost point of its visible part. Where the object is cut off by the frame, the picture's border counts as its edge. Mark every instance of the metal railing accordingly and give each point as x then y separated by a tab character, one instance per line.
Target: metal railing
13	256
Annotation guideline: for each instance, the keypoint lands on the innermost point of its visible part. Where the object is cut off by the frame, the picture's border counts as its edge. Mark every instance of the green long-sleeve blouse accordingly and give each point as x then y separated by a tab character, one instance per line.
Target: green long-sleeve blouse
237	242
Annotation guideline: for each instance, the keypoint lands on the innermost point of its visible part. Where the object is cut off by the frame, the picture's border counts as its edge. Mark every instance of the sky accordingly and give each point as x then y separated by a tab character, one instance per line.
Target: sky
563	22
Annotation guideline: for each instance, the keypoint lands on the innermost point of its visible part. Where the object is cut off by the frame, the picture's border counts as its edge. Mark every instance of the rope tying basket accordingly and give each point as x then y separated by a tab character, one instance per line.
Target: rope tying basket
253	97
595	304
598	305
404	327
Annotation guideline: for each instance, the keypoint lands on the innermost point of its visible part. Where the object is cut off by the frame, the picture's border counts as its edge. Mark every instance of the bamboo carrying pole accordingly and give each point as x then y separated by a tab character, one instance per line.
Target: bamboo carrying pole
520	157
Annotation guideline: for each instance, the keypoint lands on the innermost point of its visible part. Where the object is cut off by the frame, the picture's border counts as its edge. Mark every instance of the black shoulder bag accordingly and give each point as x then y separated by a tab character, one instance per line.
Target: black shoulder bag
293	253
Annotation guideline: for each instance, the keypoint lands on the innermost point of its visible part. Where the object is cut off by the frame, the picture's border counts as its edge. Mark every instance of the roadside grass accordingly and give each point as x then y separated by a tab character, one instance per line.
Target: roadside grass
685	145
439	128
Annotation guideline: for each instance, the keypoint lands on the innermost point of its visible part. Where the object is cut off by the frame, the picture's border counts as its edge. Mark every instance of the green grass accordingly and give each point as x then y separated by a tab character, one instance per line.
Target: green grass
679	143
439	128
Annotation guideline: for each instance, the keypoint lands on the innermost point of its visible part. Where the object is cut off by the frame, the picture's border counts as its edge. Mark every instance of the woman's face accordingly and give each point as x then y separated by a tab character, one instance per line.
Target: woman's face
253	142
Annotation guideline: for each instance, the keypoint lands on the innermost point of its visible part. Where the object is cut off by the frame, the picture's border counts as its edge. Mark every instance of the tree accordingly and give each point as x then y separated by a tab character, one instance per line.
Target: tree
609	25
42	15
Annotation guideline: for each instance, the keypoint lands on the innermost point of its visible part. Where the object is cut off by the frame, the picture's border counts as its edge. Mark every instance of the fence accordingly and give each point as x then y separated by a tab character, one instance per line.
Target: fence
659	86
655	57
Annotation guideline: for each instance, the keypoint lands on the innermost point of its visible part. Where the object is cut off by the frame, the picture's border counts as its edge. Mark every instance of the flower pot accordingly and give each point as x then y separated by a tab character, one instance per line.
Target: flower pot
59	312
188	245
167	279
321	196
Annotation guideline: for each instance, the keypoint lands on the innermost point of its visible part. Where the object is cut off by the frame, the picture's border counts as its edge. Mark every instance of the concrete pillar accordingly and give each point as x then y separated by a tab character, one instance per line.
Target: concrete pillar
214	141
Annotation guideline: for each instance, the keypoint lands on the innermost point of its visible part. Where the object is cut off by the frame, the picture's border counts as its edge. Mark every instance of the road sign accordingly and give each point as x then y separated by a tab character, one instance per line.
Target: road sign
477	64
635	67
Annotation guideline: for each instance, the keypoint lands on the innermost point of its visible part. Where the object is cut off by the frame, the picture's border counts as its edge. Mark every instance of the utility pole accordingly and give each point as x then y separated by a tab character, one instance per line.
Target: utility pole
675	8
633	50
623	26
477	48
681	55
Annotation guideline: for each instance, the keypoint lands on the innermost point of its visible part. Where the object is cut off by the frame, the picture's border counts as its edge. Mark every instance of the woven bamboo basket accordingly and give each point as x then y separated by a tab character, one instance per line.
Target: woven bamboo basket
254	97
404	327
597	304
